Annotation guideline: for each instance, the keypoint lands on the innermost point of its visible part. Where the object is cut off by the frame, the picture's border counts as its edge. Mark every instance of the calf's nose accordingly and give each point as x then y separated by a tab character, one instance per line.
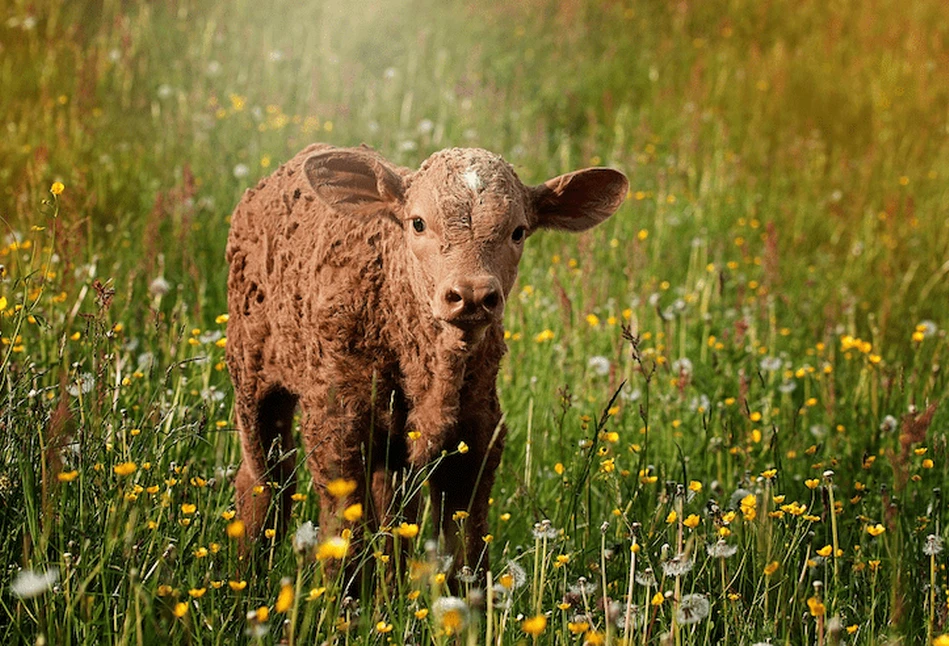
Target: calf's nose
471	297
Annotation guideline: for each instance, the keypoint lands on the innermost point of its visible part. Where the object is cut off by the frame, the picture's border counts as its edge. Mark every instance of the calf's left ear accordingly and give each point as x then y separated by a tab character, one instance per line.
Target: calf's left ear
579	200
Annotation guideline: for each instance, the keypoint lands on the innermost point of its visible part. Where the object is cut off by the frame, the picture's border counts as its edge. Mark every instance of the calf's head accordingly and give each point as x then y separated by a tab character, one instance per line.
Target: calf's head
465	216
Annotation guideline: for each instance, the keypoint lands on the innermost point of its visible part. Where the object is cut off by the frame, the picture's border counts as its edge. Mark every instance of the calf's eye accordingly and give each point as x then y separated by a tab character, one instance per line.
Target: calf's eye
418	224
519	234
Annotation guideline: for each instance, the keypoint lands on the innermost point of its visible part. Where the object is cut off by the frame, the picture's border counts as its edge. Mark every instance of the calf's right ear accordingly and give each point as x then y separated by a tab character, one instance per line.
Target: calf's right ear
351	180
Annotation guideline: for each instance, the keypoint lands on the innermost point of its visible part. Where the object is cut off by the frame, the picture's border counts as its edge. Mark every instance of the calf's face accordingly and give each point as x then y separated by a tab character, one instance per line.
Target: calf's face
465	217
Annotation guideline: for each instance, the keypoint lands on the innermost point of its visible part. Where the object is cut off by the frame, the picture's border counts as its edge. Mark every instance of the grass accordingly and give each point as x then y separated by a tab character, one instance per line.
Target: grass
751	351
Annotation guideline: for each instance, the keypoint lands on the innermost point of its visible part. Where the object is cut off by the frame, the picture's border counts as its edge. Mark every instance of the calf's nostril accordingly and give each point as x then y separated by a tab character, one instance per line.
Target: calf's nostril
491	300
453	296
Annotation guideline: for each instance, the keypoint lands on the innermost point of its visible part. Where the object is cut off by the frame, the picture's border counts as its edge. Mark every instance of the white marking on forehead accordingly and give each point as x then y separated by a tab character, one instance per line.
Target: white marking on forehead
472	180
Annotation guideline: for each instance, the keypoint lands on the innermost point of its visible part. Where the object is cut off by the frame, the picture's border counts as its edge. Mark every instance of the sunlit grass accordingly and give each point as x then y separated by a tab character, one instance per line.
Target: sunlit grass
727	405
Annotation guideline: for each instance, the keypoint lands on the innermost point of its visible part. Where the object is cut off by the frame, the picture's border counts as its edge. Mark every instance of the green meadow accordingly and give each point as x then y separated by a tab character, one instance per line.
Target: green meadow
727	405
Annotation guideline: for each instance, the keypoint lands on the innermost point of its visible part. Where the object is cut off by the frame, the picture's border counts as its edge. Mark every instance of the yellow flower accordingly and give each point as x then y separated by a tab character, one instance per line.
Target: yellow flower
188	508
237	586
928	464
340	488
333	548
794	508
298	497
695	486
285	597
546	335
197	593
181	609
875	530
353	512
657	599
769	473
262	614
594	638
812	483
67	476
534	625
593	320
671	518
421	613
578	627
229	514
57	189
462	448
691	521
749	507
459	515
942	640
771	568
201	552
125	469
3	303
816	607
315	593
383	627
407	530
235	529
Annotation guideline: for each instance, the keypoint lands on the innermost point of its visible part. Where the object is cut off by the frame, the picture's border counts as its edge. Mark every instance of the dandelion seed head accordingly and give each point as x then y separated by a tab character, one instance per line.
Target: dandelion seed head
305	538
771	364
159	286
451	613
692	609
678	565
518	575
927	328
933	545
544	529
682	366
599	365
889	424
721	549
29	583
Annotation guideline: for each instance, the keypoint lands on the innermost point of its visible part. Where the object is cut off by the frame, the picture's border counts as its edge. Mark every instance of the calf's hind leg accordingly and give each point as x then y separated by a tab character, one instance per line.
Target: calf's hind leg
266	430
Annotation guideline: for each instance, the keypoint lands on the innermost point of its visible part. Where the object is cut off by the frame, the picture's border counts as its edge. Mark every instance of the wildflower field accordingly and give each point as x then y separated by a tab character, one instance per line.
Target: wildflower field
727	406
